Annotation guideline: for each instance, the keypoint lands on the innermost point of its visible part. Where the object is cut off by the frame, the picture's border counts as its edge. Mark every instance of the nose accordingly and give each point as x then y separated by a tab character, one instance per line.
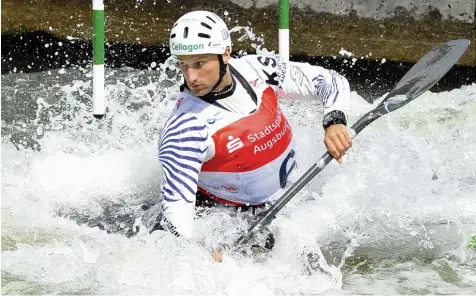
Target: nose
190	75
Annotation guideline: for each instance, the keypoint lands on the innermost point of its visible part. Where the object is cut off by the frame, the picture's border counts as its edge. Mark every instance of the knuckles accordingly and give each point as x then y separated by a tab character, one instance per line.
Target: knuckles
336	141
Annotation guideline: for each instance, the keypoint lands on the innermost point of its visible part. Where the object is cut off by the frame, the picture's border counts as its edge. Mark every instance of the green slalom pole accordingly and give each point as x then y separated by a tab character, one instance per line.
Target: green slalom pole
98	58
284	29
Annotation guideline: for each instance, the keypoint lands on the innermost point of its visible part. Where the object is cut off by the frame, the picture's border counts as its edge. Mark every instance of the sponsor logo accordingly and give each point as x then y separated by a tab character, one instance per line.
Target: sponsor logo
210	44
274	68
179	101
281	69
234	144
268	137
326	89
225	33
217	116
298	76
231	188
187	47
257	82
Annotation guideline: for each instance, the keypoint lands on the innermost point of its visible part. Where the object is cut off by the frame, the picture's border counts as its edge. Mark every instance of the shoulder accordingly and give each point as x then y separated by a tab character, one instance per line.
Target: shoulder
265	60
270	67
190	106
183	128
188	110
187	103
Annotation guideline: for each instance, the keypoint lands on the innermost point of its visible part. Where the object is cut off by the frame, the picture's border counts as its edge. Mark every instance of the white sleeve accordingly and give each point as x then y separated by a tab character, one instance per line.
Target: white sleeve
183	147
302	81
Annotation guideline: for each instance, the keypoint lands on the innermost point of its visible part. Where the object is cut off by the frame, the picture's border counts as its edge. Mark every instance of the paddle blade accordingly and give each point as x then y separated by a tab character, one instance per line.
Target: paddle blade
424	74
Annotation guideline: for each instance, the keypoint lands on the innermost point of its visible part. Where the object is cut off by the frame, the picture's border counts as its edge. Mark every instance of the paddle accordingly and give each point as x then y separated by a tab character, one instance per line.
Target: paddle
421	77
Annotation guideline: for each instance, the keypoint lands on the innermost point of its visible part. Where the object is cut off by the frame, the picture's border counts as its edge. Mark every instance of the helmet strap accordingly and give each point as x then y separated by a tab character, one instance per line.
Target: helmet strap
223	68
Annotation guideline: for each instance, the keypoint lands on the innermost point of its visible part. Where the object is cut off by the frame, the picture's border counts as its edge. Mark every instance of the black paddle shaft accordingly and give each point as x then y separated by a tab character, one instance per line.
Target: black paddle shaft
420	78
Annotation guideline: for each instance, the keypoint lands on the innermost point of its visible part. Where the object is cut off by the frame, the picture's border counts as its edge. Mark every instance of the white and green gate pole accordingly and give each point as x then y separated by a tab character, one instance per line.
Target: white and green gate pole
284	29
98	58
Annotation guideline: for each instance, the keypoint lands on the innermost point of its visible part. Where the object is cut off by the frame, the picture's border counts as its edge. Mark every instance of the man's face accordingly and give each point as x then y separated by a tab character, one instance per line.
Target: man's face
201	72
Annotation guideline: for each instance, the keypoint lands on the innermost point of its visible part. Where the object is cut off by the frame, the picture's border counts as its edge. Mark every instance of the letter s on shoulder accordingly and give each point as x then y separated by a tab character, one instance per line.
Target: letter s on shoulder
266	60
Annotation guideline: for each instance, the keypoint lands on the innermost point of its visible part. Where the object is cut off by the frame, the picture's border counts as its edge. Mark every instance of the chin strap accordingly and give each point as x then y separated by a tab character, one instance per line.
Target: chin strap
222	72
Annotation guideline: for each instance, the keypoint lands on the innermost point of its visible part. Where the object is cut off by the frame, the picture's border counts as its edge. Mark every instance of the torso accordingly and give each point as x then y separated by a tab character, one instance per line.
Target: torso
250	155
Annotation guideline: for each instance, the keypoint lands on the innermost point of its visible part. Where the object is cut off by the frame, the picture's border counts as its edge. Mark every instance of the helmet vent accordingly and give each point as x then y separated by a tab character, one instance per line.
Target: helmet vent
203	35
185	32
211	19
206	25
172	36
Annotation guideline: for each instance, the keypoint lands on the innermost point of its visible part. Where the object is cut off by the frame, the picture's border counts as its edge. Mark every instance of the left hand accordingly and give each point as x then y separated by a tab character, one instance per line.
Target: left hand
217	255
337	140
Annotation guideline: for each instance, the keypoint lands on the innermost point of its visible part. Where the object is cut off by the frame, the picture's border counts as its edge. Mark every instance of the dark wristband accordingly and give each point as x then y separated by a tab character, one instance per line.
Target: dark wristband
334	117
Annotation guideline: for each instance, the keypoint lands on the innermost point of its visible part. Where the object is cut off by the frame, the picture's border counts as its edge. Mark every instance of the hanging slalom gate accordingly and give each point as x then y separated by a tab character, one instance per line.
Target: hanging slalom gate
98	58
284	29
98	50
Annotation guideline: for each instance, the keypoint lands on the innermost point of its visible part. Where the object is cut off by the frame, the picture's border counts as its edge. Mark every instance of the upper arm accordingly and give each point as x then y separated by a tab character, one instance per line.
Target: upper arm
295	79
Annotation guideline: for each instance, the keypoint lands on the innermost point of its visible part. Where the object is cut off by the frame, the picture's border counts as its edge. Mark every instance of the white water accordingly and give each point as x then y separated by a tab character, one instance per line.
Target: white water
403	199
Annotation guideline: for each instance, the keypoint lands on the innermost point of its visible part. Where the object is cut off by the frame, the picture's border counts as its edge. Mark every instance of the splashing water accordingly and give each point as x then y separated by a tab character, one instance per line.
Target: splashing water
394	218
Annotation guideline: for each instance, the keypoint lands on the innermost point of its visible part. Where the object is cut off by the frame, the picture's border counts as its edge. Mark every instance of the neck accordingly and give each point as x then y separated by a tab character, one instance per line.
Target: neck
225	82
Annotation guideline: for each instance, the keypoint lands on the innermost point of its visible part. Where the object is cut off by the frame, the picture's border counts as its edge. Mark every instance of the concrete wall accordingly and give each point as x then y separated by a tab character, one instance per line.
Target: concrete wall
376	30
461	10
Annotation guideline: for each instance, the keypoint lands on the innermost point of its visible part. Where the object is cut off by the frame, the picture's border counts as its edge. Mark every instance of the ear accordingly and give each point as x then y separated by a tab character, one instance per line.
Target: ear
227	55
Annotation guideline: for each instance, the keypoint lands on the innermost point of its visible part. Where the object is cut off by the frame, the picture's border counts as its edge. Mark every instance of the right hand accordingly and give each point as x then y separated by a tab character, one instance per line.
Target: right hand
217	255
152	216
337	140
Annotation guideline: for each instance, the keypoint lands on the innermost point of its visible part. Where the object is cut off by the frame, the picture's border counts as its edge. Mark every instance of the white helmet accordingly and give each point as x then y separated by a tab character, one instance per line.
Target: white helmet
199	32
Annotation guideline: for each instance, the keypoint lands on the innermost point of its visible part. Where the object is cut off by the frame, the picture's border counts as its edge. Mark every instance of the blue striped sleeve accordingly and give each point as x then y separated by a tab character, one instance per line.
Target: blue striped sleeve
183	145
326	90
182	148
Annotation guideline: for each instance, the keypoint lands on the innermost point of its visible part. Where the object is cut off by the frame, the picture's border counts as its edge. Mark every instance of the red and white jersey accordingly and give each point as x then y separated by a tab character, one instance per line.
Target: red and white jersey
242	151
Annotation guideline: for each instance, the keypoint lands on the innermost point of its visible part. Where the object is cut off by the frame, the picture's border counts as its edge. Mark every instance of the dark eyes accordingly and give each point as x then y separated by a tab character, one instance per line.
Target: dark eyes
195	65
198	64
